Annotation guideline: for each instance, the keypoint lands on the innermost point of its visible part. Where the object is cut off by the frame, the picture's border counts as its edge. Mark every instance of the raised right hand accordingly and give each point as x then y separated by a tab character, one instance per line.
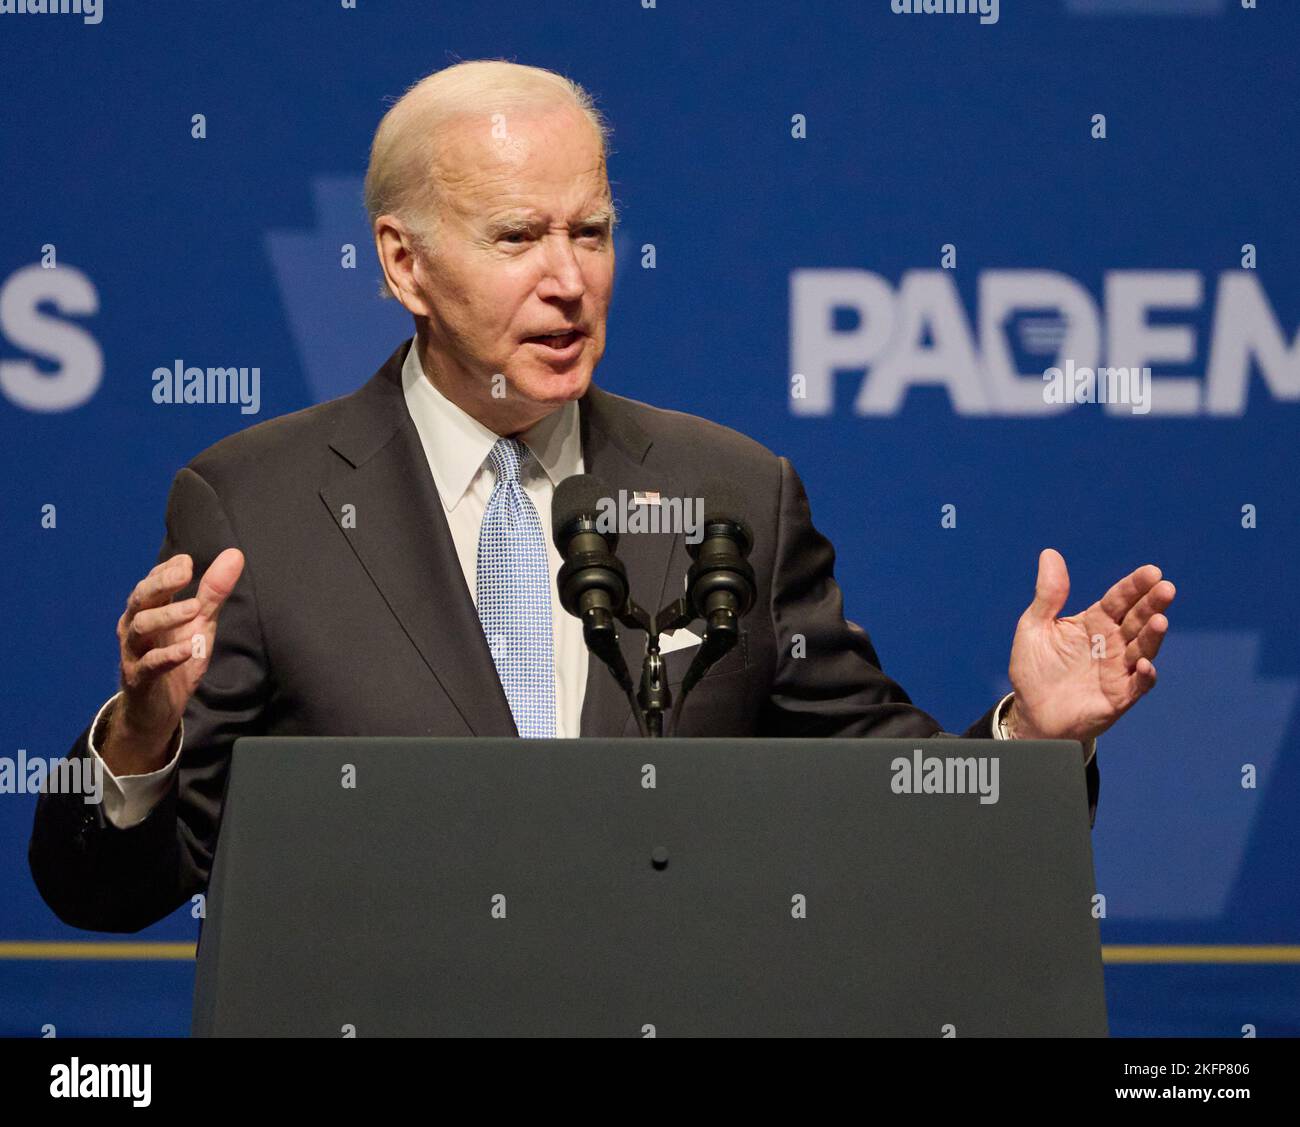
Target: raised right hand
165	650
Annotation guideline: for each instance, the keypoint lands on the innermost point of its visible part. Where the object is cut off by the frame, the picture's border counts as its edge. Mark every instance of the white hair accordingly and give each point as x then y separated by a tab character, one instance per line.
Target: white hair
404	153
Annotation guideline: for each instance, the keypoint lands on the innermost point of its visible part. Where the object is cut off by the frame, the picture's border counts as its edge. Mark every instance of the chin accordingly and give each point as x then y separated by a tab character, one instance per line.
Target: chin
556	388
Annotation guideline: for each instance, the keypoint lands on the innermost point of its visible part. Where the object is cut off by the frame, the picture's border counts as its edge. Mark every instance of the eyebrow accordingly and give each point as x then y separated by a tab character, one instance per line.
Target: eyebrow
602	215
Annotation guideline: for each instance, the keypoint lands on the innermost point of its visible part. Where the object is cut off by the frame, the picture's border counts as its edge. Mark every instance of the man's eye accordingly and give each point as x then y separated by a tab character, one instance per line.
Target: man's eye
515	238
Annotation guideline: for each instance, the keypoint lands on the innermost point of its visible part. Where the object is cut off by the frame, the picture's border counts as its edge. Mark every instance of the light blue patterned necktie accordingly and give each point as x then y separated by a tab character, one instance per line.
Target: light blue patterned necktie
514	594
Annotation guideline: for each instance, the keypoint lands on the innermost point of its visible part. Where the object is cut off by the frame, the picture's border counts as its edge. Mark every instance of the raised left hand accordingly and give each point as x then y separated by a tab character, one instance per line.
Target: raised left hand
1074	677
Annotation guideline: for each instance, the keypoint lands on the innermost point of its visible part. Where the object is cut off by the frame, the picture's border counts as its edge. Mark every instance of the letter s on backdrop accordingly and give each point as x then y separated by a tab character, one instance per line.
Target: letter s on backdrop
22	321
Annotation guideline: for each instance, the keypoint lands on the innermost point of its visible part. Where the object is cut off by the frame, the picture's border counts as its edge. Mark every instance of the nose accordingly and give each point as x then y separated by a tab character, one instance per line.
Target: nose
562	278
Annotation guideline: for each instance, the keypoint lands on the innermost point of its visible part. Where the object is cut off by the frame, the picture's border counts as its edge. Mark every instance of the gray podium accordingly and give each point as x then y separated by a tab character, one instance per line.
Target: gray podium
411	887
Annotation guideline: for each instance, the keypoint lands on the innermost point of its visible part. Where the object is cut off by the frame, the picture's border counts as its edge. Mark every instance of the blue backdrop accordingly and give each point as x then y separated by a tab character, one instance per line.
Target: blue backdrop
915	214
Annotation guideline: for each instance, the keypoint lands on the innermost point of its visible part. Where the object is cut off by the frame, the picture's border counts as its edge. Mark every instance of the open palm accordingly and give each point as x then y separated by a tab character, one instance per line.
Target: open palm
1074	677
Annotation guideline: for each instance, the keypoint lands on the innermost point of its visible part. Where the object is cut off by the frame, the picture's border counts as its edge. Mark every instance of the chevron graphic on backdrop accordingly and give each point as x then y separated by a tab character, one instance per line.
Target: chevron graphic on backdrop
1174	821
342	328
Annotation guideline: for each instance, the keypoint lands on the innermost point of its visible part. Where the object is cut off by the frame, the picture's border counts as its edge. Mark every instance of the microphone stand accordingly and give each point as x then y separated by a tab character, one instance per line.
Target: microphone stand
602	640
654	697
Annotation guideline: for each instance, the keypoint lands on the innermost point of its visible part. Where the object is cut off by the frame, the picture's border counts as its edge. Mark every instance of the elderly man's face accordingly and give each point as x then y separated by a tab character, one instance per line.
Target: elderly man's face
523	250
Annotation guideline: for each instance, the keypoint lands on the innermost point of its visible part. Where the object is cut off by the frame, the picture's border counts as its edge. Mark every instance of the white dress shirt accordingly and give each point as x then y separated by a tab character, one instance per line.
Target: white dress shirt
456	446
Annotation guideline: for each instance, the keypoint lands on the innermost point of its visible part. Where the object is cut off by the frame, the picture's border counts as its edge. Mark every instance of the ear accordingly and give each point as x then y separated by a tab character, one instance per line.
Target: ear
398	259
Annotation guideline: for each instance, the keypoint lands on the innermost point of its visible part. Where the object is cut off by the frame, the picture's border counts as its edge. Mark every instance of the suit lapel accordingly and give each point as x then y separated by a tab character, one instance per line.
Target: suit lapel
403	541
616	448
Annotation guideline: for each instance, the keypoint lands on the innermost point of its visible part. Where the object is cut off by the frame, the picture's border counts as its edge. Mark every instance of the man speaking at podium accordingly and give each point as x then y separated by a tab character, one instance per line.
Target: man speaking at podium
339	571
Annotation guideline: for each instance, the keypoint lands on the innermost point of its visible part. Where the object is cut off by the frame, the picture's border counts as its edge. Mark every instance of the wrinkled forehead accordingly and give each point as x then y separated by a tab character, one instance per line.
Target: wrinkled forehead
518	159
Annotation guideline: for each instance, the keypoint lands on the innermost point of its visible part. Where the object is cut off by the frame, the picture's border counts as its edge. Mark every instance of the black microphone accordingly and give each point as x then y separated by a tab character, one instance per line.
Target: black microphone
720	584
592	581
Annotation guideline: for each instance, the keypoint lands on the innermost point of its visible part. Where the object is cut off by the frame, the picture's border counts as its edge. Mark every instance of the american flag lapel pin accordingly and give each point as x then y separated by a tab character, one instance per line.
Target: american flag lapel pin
650	497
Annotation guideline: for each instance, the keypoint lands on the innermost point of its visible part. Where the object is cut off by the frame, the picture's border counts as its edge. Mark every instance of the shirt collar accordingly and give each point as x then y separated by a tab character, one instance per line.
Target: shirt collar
456	444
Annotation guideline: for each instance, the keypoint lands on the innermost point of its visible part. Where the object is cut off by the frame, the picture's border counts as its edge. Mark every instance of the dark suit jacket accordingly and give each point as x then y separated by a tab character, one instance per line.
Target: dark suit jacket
370	631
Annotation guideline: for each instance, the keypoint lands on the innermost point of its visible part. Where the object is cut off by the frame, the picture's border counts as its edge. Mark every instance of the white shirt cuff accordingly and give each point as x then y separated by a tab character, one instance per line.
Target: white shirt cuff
128	799
1000	728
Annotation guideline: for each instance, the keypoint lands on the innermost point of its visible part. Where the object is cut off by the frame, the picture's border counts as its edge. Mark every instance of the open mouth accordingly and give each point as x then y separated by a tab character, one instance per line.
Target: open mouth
558	342
559	349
